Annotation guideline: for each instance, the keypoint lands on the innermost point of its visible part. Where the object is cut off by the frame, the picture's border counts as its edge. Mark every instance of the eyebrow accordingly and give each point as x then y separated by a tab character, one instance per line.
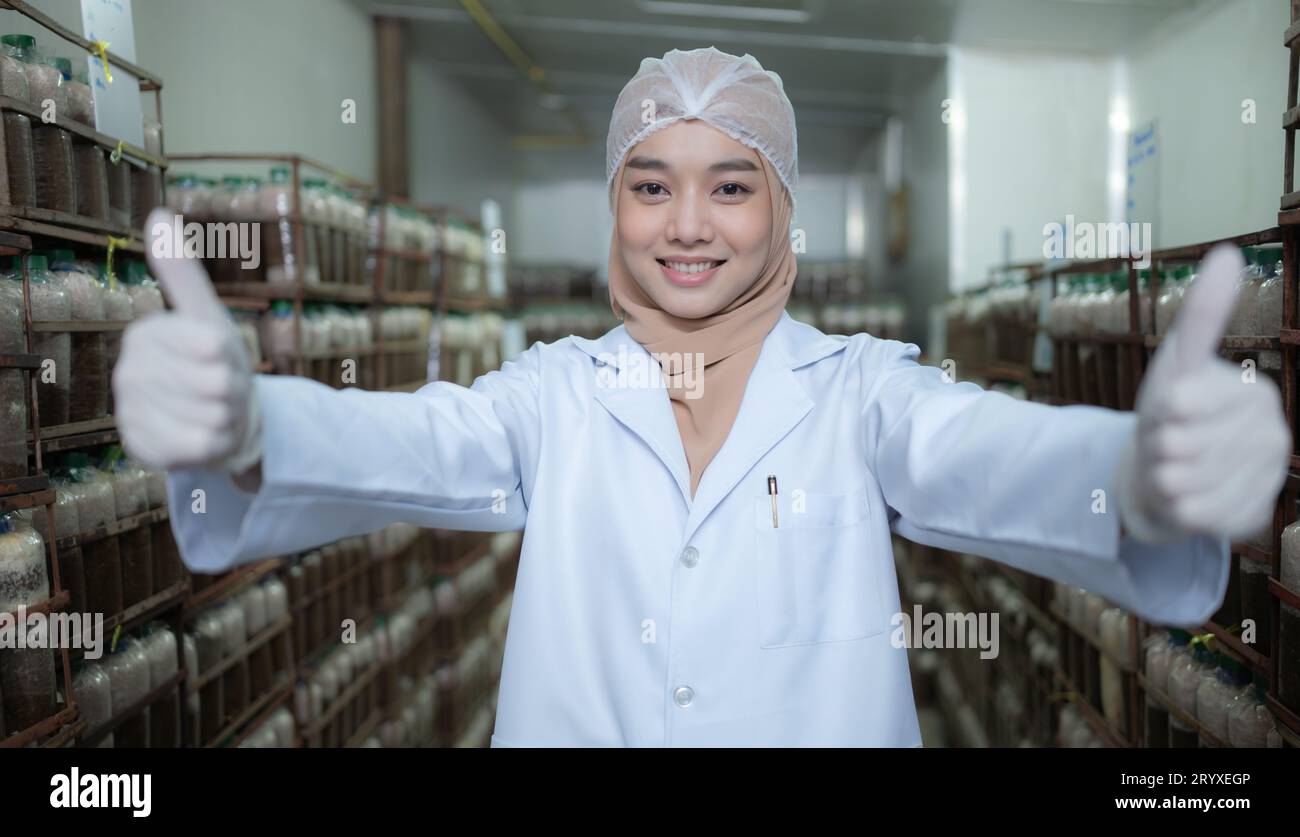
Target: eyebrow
655	164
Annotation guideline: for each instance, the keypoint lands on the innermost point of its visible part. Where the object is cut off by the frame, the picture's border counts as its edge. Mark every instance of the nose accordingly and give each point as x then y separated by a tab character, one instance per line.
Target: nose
690	219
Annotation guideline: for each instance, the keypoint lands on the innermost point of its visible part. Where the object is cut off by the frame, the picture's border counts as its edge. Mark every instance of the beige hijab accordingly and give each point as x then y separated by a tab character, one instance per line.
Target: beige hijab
729	340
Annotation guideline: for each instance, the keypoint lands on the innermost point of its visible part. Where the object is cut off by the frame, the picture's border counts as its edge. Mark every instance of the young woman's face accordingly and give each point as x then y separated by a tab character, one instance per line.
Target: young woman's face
694	219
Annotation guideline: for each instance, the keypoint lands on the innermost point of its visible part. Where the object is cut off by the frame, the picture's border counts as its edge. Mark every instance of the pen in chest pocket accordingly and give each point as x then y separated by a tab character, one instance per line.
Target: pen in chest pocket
771	490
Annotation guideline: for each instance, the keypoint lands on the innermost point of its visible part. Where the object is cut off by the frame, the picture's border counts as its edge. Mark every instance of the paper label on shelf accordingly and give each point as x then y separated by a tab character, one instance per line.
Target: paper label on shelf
1142	191
117	103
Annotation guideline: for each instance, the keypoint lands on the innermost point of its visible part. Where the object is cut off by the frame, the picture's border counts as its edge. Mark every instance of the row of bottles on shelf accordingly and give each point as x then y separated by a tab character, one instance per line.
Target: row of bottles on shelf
241	648
1215	689
1088	303
47	166
338	231
75	382
102	573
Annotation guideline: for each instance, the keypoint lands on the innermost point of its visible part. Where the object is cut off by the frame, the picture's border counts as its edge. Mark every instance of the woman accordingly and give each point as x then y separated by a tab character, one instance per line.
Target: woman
707	555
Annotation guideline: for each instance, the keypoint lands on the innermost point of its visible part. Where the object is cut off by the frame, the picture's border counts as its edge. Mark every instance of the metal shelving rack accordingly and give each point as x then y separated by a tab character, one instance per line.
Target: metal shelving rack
33	492
22	225
1105	369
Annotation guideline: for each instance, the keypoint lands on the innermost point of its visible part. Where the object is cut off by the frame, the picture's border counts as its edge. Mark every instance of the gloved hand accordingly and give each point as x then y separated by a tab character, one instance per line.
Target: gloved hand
1210	452
183	381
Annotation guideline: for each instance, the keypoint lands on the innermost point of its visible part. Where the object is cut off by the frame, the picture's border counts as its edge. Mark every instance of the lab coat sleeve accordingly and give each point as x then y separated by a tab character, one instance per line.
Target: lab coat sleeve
1027	484
337	463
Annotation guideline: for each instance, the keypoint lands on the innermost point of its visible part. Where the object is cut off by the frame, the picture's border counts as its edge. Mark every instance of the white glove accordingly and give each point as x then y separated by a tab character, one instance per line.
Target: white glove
183	381
1211	448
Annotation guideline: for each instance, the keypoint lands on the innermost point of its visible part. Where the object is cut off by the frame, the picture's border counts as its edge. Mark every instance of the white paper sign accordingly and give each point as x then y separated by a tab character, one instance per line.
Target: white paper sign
117	103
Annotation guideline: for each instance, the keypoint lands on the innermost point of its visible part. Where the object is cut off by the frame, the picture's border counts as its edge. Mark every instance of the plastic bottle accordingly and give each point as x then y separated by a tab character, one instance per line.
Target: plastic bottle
1173	286
1184	677
1245	313
279	229
131	498
88	384
1270	301
118	307
45	80
50	302
128	675
146	297
55	172
1250	723
26	675
13	66
81	100
94	696
13	382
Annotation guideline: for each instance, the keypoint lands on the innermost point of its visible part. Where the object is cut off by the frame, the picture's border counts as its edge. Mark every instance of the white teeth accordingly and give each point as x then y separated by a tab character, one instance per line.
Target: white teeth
699	267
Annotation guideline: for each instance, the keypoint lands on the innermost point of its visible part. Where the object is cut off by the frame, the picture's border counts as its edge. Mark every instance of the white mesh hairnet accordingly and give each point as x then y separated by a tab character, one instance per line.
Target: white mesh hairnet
733	94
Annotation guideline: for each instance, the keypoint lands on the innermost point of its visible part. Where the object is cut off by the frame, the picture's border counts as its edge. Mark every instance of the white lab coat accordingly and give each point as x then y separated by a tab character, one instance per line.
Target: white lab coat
642	617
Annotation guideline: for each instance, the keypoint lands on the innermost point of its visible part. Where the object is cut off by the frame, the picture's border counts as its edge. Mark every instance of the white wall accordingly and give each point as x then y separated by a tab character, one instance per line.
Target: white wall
1033	147
257	76
248	75
1217	176
458	155
562	221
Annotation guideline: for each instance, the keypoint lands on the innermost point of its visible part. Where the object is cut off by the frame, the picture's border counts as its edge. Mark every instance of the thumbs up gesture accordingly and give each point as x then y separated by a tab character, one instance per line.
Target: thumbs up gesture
183	383
1211	447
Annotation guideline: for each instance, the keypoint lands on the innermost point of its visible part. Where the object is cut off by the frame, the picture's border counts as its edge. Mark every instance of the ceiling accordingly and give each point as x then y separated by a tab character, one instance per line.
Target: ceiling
846	64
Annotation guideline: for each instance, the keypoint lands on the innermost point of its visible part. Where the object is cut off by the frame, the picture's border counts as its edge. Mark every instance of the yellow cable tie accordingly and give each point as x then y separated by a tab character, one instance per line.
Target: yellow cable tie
117	632
102	48
113	243
116	156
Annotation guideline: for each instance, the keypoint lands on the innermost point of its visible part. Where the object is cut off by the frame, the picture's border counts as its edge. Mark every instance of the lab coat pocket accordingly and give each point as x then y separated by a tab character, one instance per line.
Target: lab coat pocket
815	575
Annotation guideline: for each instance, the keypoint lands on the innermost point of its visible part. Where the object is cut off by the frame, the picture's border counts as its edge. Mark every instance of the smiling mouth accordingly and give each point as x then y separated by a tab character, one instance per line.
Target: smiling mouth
691	267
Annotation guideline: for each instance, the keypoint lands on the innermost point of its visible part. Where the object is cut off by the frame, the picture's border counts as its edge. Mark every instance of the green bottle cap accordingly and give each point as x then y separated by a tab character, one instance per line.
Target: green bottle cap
22	42
136	273
280	174
111	455
64	66
35	262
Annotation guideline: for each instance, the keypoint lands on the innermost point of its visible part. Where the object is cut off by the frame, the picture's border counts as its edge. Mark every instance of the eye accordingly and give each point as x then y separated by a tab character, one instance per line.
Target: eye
645	188
740	190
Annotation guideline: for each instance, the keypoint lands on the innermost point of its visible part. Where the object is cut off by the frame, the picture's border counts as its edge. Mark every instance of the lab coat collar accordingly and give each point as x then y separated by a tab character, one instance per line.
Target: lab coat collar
798	343
774	402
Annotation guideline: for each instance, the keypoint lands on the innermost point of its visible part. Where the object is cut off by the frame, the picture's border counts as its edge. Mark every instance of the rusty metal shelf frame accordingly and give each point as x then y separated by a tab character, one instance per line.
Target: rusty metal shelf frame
171	684
252	717
17	226
147	609
45	498
117	527
1137	347
228	585
83	132
1178	712
265	637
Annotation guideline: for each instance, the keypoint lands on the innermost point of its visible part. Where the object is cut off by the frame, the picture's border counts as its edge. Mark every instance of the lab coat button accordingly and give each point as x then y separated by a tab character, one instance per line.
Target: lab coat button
690	556
683	695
